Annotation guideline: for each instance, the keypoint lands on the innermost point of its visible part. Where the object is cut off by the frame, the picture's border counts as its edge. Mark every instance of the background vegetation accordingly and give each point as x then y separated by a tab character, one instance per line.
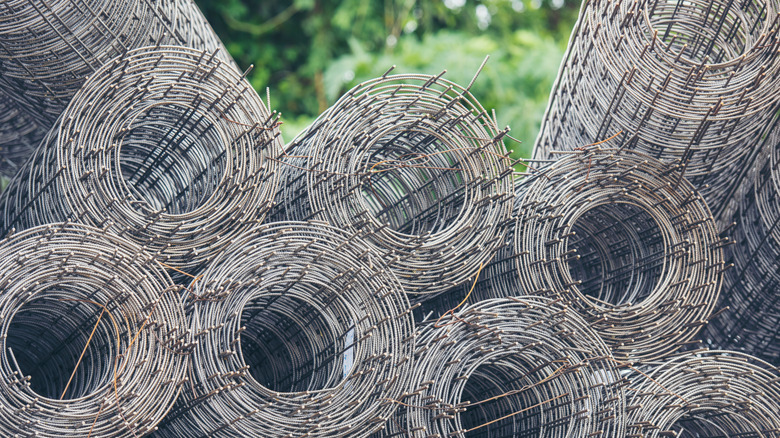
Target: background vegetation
309	52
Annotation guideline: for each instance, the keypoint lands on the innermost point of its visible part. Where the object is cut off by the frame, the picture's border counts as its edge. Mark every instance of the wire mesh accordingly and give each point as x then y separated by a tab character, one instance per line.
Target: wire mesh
692	83
168	146
413	162
302	331
94	335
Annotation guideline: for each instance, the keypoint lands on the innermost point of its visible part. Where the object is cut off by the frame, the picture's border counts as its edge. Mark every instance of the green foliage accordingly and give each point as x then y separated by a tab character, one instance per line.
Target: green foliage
309	52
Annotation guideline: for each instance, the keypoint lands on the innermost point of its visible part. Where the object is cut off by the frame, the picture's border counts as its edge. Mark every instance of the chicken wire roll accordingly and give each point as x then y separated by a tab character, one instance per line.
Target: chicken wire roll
168	146
705	395
516	367
690	82
94	335
302	331
631	247
413	163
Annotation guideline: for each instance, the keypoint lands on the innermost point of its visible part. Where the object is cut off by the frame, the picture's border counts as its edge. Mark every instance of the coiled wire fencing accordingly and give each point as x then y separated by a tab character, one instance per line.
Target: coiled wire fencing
94	335
691	83
301	330
415	164
167	146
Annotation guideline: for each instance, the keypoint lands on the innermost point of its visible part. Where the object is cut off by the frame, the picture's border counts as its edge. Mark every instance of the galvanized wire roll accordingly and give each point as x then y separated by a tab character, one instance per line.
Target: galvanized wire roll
49	48
615	236
302	331
94	335
750	290
712	394
518	367
689	82
168	146
412	162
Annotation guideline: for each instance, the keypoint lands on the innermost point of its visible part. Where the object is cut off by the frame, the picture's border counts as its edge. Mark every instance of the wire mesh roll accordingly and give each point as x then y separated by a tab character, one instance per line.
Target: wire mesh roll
94	335
413	163
638	256
750	290
713	394
19	136
49	48
302	331
690	82
518	367
168	146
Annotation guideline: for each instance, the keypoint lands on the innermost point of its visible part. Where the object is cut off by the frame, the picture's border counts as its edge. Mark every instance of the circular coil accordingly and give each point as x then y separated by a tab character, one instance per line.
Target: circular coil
718	393
94	335
301	330
414	164
612	234
750	290
691	83
168	145
523	366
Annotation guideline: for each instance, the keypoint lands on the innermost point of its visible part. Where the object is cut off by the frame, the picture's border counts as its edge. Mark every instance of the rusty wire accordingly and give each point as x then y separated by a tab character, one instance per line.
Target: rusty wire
414	163
692	83
705	394
168	146
61	282
302	331
516	367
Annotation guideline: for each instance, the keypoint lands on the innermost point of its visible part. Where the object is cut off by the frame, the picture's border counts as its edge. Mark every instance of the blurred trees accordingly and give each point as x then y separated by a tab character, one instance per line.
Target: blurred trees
308	52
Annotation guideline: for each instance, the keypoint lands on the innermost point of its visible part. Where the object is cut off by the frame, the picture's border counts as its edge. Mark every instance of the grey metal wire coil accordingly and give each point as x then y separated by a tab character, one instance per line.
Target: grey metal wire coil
638	256
49	48
168	146
302	331
412	162
750	290
718	393
70	291
518	367
691	83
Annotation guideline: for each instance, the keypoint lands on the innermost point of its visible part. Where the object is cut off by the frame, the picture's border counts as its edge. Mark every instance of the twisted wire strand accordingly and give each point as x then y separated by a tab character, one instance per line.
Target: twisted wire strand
716	393
49	48
608	232
750	324
168	146
516	367
689	82
59	283
301	330
415	164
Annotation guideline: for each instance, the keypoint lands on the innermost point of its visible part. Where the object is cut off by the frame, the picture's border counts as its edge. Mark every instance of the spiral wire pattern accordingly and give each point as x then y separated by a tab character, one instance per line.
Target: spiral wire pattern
692	83
717	393
414	163
301	331
609	233
517	367
168	146
59	283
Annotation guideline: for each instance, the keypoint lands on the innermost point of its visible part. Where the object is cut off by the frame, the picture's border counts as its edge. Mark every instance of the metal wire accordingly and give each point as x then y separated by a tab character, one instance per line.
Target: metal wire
750	291
608	232
49	48
71	291
19	136
519	367
414	163
168	146
712	394
302	331
692	83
